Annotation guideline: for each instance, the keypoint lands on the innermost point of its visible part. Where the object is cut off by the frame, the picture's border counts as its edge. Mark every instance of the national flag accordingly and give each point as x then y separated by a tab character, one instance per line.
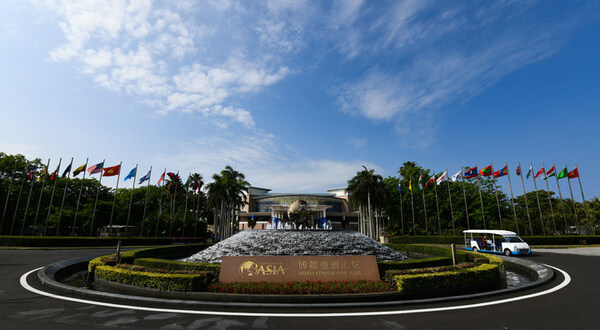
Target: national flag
145	177
540	172
79	170
31	173
161	178
410	184
551	172
112	171
530	171
471	173
501	172
44	172
131	174
486	171
456	176
442	178
55	173
420	183
574	174
173	176
67	170
432	180
563	174
200	183
399	182
96	168
188	181
519	170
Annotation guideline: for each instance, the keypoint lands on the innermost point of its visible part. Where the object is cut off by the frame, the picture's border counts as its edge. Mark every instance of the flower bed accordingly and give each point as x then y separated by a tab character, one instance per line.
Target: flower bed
302	287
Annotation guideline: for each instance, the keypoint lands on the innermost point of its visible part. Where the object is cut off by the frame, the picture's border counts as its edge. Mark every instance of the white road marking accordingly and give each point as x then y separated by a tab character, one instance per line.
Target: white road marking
563	284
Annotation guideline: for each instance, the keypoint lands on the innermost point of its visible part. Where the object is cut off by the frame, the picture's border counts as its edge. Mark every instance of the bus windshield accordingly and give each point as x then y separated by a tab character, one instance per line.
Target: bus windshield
513	239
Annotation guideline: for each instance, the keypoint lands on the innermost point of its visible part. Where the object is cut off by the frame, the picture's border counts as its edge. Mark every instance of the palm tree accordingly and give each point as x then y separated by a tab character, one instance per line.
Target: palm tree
225	195
367	193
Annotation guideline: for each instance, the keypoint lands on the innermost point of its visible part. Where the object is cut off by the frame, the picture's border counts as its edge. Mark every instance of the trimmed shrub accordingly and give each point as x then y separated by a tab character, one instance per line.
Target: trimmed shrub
172	265
58	241
393	272
427	240
301	287
197	281
386	266
484	273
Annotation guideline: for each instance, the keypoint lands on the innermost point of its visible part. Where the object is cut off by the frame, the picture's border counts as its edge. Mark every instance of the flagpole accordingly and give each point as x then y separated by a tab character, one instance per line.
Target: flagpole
425	211
512	199
173	206
52	195
96	202
79	197
162	182
197	217
538	201
587	215
27	205
462	177
17	206
401	209
185	209
62	204
412	207
450	198
481	201
574	205
12	174
549	199
497	200
525	195
37	209
437	206
112	210
131	196
146	201
562	205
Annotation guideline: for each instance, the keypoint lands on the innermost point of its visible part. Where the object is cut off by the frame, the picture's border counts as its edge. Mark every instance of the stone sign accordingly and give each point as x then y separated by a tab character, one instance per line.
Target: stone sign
298	268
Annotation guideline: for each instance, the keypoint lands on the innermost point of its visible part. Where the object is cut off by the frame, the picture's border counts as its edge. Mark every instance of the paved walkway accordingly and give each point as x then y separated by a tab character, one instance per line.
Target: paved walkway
590	251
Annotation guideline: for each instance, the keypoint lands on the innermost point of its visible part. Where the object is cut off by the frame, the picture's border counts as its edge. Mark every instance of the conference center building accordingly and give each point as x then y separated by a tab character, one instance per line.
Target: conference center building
269	210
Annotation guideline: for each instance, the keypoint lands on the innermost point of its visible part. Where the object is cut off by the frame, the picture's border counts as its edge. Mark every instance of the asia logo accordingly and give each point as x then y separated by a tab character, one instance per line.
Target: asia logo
250	268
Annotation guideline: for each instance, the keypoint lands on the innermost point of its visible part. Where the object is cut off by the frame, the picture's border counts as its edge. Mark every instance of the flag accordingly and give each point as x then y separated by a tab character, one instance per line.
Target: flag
200	183
442	178
541	171
551	172
457	176
501	172
432	180
173	176
79	170
145	177
55	173
31	173
131	174
486	171
410	184
161	178
188	181
563	174
471	173
574	174
66	171
530	171
519	170
96	168
44	172
112	171
420	183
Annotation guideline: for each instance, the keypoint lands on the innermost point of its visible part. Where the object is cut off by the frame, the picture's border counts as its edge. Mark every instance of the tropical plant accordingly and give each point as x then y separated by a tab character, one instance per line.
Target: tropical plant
367	192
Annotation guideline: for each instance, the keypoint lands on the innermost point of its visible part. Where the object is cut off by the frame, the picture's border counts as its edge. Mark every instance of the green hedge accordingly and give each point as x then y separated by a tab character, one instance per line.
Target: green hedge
301	287
388	276
482	274
385	266
172	282
58	241
531	240
441	251
172	265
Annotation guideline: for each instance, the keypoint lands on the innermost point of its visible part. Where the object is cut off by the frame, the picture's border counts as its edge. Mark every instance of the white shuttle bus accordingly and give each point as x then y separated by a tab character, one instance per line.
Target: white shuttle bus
495	241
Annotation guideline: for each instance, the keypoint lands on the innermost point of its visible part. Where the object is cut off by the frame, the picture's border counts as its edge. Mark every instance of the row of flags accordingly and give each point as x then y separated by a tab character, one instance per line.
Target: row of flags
105	171
488	171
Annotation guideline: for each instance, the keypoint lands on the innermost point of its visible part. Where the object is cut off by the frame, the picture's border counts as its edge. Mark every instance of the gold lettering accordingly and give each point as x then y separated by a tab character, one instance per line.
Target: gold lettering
312	264
301	264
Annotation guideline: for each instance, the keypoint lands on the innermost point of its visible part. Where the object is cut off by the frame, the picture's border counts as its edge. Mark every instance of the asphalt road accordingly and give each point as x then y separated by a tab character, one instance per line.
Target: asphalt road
575	306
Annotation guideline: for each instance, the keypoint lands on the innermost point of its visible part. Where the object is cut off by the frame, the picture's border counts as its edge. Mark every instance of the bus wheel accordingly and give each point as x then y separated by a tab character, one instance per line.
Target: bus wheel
475	249
507	252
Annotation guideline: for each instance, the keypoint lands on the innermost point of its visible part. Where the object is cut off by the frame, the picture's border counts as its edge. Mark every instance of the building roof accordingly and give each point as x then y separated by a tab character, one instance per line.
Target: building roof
495	232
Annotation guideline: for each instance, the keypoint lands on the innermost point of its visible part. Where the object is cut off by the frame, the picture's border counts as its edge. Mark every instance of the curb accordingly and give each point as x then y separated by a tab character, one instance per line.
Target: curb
47	276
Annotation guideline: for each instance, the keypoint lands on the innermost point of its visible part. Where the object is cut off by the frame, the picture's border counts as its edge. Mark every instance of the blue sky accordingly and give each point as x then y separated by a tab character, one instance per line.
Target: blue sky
298	95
